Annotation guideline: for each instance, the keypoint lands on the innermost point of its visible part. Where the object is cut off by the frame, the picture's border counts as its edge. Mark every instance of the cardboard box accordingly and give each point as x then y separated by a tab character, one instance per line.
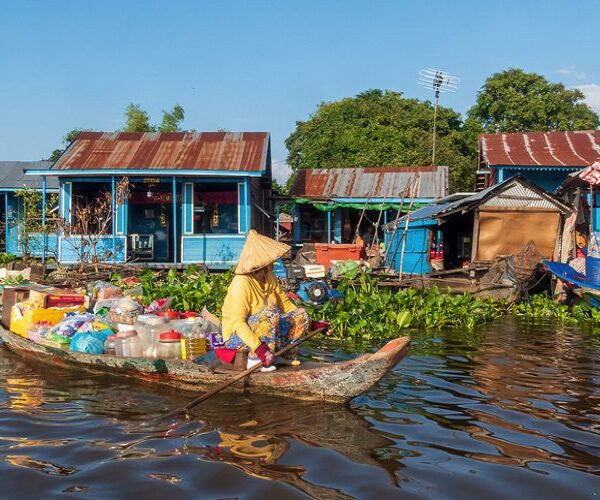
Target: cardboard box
13	294
56	297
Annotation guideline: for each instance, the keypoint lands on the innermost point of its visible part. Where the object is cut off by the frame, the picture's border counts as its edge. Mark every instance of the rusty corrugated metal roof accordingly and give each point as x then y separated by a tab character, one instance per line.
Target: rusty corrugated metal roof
381	182
238	151
543	149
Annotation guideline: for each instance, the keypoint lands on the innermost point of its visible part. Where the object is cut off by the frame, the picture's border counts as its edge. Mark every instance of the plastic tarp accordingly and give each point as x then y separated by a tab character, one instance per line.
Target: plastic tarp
506	231
330	206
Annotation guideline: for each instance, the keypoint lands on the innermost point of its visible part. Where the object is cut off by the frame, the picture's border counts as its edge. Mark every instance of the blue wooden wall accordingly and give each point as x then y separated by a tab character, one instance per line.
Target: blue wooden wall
70	249
548	178
14	227
216	251
416	247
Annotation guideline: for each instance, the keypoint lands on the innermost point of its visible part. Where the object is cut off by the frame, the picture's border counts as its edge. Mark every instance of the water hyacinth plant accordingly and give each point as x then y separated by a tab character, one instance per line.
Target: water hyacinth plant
373	312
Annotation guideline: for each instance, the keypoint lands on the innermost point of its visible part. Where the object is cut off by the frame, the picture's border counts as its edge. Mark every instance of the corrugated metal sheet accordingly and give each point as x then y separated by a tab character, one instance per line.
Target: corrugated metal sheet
383	182
238	151
519	196
547	149
514	192
12	175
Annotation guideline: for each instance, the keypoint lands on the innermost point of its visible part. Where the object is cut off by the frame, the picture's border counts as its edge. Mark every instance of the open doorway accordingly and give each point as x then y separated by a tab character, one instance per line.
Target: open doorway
150	222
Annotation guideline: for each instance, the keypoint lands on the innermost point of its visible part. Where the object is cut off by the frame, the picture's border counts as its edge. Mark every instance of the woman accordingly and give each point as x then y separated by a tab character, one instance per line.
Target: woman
257	314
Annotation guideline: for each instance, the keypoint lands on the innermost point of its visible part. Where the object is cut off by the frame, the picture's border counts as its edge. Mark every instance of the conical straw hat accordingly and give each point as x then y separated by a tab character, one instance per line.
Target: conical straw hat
258	252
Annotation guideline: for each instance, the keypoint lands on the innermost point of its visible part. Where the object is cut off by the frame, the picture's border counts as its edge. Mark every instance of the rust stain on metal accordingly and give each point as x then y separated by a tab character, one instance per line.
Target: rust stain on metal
240	151
548	149
372	182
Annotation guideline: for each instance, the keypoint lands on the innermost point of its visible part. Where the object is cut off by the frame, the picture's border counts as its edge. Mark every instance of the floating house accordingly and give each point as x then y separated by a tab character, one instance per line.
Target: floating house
545	158
329	204
466	229
192	197
13	180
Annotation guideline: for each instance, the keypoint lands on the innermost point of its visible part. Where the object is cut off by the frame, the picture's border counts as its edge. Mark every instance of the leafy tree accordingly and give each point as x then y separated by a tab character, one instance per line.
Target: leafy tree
171	120
138	120
67	139
516	101
381	128
30	229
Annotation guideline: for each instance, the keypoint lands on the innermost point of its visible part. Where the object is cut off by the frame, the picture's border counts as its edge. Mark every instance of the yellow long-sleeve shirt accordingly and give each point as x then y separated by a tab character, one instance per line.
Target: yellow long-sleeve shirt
245	297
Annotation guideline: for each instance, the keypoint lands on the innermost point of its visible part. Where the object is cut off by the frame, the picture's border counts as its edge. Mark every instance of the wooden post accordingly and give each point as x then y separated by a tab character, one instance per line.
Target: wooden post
113	206
44	237
277	220
475	242
174	204
6	222
412	200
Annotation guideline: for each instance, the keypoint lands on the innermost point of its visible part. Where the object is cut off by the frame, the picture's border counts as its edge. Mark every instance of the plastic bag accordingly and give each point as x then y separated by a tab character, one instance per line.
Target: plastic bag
158	305
89	343
102	290
125	310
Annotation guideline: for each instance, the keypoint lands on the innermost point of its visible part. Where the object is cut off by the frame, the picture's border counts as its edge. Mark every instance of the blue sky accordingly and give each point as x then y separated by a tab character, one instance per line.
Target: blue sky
254	65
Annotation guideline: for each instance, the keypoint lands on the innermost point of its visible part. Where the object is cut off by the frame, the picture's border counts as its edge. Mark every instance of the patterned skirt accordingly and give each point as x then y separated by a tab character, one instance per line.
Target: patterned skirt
273	327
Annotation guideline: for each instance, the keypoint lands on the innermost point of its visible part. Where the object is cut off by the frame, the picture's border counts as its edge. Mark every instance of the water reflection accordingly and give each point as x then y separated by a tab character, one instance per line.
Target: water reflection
489	412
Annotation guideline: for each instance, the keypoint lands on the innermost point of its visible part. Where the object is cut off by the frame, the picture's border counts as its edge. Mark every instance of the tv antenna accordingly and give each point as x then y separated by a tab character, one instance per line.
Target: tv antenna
440	82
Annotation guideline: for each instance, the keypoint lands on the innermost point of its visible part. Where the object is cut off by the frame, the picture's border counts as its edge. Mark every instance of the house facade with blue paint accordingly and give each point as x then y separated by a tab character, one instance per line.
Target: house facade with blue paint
17	240
191	197
333	205
544	158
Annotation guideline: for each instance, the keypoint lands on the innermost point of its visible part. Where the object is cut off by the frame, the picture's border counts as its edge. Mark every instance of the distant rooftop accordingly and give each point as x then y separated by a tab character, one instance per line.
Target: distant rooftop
542	149
12	175
372	182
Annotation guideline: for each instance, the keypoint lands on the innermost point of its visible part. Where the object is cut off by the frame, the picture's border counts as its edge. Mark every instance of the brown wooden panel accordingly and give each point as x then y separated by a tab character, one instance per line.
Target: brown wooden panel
507	232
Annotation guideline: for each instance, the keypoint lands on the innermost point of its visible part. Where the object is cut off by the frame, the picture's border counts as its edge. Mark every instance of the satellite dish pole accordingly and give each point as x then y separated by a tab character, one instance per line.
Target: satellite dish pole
439	81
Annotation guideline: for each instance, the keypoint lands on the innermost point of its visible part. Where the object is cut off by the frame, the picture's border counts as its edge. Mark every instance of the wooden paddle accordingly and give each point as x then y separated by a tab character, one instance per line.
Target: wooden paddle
233	380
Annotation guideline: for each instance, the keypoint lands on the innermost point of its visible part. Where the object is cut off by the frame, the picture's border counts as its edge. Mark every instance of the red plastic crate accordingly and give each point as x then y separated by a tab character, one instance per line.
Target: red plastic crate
325	253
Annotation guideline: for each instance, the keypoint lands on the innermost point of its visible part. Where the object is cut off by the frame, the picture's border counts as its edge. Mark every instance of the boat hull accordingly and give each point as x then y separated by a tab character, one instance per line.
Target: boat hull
332	382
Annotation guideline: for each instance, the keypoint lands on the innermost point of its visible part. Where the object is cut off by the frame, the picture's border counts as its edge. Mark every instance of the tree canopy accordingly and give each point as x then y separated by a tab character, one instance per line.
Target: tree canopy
138	120
67	139
380	128
516	101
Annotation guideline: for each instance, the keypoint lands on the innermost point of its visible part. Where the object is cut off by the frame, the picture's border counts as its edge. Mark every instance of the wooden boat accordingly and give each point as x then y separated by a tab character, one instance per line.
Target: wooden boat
311	381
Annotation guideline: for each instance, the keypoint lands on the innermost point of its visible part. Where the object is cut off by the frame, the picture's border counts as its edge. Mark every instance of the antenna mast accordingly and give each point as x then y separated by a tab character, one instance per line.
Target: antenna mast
438	81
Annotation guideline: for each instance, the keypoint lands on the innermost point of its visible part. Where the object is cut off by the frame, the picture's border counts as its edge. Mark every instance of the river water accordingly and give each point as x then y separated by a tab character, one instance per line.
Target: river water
511	409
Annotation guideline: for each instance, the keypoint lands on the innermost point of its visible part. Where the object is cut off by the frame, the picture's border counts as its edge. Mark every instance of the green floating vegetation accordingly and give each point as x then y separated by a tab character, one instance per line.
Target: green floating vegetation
368	311
542	306
190	290
373	312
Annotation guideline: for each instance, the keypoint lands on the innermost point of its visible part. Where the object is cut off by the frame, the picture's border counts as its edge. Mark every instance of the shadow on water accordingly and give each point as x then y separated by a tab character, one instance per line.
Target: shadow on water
509	409
46	411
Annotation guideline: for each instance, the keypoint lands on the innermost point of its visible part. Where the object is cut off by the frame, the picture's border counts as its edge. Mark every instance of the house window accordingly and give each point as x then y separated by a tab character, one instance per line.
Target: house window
91	208
216	208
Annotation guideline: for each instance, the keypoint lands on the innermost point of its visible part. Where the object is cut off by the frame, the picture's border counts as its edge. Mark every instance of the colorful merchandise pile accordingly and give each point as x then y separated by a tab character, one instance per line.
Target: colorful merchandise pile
113	322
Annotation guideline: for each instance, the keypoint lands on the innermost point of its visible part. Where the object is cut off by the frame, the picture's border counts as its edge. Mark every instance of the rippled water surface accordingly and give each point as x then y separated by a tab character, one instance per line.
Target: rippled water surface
510	410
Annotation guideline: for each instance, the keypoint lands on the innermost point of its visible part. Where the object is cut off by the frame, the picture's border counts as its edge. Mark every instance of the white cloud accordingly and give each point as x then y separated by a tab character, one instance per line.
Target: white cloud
572	73
592	95
281	171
